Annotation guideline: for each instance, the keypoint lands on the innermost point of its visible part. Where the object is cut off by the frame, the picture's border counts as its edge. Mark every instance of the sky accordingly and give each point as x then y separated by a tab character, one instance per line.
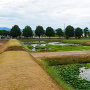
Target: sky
46	13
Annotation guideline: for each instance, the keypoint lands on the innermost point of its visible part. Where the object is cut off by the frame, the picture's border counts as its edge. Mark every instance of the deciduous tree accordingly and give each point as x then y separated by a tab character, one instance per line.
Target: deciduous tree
39	31
15	31
85	31
59	32
50	32
78	32
69	31
27	31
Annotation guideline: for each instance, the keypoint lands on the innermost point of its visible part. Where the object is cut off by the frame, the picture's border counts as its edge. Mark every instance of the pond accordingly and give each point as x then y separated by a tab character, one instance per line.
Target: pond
84	73
39	46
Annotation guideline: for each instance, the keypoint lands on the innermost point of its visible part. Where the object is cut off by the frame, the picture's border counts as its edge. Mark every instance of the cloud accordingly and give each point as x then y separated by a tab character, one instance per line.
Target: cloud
52	13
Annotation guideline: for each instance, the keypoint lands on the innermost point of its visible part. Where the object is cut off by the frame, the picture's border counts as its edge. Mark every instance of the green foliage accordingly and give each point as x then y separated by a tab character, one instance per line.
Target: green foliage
29	46
53	62
39	31
89	35
67	48
78	32
50	32
69	31
67	37
15	31
4	32
27	31
54	48
64	60
59	32
86	31
70	74
76	41
87	65
57	77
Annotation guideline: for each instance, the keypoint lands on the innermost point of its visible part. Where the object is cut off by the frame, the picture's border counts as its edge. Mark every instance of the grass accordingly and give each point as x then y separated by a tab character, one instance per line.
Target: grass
14	45
13	42
58	79
67	75
64	60
55	48
75	41
53	73
87	65
19	71
0	52
25	46
66	48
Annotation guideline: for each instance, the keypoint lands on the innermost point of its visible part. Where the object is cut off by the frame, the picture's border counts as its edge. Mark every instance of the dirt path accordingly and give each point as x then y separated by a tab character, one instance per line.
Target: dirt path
47	54
19	71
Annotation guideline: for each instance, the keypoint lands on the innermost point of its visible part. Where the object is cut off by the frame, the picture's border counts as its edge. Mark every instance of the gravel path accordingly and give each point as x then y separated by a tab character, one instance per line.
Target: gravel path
47	54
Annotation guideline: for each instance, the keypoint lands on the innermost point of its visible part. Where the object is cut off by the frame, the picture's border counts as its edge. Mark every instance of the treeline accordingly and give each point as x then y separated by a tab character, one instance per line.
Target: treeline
50	32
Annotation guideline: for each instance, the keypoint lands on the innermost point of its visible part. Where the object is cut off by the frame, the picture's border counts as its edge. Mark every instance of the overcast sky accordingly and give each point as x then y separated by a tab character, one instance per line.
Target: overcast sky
54	13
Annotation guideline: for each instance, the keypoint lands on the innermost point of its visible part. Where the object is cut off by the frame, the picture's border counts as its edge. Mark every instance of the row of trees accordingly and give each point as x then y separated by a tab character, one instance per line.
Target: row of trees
4	32
27	32
77	33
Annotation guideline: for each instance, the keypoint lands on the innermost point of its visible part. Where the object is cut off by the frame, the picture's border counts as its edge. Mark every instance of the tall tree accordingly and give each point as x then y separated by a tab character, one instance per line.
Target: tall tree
69	31
50	32
15	31
85	31
39	31
78	32
59	32
27	31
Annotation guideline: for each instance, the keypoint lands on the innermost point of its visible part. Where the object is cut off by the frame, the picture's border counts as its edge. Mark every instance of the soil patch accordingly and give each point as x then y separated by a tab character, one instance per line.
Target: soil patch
87	43
15	48
3	44
70	59
50	54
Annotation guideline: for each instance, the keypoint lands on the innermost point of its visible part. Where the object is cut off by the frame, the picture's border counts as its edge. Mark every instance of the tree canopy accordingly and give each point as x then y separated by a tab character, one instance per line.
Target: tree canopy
85	31
69	31
50	32
4	32
27	31
78	32
39	31
59	32
15	31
